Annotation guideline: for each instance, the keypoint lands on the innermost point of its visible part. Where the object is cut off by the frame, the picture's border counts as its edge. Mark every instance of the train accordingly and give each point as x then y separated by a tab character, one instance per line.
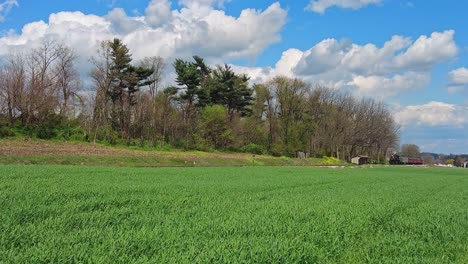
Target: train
397	160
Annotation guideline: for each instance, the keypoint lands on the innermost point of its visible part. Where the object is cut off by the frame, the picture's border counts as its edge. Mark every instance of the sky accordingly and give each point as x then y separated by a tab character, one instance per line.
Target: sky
411	54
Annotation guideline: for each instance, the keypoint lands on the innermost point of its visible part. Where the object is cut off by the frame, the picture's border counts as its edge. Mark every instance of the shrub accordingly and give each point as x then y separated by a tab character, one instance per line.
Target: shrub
253	149
330	161
214	129
70	130
78	137
6	132
277	150
44	132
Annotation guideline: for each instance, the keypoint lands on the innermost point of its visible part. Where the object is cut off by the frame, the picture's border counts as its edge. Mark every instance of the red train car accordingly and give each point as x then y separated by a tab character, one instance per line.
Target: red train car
411	161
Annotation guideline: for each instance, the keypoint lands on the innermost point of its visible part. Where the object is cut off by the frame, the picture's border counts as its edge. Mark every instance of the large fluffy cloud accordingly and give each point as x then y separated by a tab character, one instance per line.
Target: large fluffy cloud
320	6
433	114
435	126
400	65
425	52
380	86
196	28
82	32
396	55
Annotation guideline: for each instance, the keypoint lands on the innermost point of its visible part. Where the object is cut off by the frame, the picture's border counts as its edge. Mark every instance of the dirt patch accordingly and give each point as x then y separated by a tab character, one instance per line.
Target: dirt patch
58	148
44	148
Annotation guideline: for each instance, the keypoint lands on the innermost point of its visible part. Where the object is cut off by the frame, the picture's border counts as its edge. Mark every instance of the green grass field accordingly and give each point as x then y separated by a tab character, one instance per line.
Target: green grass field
60	214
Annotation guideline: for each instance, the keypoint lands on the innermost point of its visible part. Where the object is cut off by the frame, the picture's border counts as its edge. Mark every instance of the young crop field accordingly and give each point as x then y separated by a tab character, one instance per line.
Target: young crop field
57	214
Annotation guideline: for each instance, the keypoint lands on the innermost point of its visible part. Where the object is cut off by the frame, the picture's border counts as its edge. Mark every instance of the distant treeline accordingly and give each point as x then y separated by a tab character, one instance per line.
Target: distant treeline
454	159
209	109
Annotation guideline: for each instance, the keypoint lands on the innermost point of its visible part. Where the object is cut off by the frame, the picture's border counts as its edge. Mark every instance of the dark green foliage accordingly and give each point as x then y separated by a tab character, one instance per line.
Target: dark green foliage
128	78
44	132
231	90
6	132
60	214
170	91
120	69
107	135
292	119
53	127
48	128
222	86
5	129
277	149
71	130
214	129
189	76
253	149
126	81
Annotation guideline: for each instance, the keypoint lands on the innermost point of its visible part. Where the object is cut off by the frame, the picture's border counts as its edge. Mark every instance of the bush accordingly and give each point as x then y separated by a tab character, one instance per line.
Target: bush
163	146
70	131
78	137
253	149
214	130
107	135
277	150
330	161
6	132
201	144
44	132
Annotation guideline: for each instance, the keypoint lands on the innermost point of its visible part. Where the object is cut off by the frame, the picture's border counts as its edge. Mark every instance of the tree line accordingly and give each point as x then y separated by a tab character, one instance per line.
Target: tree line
209	108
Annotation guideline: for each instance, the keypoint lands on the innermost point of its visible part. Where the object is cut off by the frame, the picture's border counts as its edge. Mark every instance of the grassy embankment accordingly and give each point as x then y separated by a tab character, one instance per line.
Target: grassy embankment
42	152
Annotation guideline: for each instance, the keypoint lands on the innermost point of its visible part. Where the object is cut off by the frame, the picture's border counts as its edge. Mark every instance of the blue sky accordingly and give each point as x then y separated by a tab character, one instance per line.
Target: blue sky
411	54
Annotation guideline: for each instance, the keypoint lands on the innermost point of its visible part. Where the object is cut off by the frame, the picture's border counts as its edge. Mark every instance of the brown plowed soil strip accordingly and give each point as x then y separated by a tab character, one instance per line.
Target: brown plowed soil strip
39	148
57	148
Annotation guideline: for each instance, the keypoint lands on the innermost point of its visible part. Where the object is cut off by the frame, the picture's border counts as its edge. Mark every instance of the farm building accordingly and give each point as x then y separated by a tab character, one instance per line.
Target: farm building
360	160
465	165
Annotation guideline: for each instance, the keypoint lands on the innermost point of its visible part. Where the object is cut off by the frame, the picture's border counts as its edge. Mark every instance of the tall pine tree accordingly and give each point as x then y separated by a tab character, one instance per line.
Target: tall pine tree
126	82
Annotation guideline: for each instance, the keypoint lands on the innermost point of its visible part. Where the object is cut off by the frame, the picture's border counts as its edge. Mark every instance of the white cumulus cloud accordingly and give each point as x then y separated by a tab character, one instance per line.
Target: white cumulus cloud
433	114
398	54
320	6
158	12
122	23
459	81
382	87
198	28
400	65
427	51
459	76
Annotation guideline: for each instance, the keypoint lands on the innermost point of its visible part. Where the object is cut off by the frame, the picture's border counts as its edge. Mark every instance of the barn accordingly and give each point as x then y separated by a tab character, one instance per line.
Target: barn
360	160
